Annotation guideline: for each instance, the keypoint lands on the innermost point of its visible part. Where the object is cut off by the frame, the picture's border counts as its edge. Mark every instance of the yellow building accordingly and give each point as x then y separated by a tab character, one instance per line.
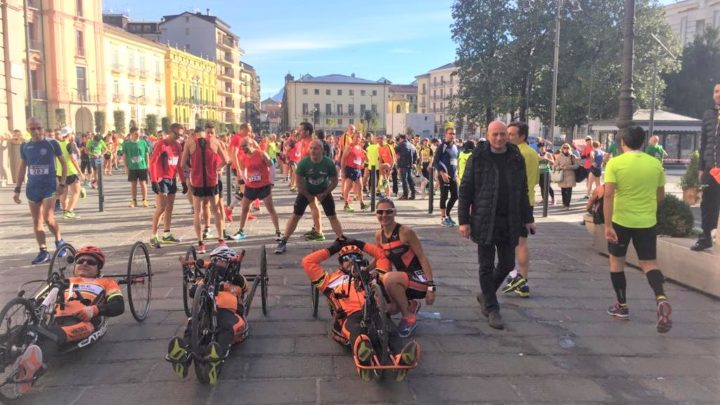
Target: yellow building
191	88
135	78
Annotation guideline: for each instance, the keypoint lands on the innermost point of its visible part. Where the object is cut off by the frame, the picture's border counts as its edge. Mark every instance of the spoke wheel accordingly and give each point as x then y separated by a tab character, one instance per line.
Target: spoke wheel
15	318
62	259
315	294
379	333
188	279
263	280
139	281
201	330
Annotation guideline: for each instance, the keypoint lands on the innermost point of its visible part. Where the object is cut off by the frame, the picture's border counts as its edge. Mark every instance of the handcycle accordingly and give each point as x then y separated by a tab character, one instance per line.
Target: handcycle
25	320
203	310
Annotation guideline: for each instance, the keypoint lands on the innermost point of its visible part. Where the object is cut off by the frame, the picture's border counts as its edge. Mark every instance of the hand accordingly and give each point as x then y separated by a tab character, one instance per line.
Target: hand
531	228
184	187
81	177
87	313
610	234
16	198
464	231
445	177
155	187
430	297
336	246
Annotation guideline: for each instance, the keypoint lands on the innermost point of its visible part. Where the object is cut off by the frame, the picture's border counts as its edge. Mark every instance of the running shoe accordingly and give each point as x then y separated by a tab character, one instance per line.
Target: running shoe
179	356
348	208
30	362
310	232
58	245
495	320
403	197
69	215
451	222
407	326
228	214
364	353
310	235
318	237
363	206
207	234
239	235
214	359
155	242
407	357
83	192
278	236
251	216
133	204
619	311
145	204
664	323
523	290
293	189
200	249
446	222
513	283
227	236
281	247
168	238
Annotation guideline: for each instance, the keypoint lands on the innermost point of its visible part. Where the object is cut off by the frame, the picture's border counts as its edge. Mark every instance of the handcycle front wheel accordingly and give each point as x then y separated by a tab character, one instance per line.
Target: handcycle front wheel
61	260
139	281
190	254
263	280
15	318
315	294
201	331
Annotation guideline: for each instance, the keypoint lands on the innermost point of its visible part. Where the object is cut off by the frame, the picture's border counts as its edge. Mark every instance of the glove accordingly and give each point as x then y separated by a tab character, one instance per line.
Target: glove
184	187
87	313
155	187
360	244
231	288
336	246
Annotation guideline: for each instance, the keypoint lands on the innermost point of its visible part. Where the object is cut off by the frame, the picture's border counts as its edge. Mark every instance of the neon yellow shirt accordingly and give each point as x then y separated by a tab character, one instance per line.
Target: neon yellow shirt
532	169
462	160
373	155
636	176
66	155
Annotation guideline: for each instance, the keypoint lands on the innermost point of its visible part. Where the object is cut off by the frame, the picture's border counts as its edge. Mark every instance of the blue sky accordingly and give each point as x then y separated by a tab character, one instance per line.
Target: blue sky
395	39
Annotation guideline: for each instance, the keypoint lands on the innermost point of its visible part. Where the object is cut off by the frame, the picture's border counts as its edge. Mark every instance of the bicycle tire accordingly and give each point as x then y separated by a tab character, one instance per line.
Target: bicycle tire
315	294
139	273
201	330
13	338
263	280
60	264
191	253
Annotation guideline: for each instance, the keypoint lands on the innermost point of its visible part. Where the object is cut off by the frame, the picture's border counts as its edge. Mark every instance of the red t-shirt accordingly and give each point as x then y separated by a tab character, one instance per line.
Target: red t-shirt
164	161
204	164
295	152
587	150
257	173
355	157
235	143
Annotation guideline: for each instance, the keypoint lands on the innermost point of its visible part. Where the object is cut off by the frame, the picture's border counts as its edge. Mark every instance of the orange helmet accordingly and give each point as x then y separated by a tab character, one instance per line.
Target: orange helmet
93	251
348	250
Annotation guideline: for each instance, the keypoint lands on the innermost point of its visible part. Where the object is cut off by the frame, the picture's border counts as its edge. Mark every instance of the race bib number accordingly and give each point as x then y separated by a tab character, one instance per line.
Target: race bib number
419	276
173	161
138	159
358	162
316	182
453	162
39	170
254	178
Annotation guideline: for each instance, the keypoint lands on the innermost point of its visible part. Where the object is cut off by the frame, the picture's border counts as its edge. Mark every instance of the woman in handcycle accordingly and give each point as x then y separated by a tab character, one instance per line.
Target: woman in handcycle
82	320
346	299
232	326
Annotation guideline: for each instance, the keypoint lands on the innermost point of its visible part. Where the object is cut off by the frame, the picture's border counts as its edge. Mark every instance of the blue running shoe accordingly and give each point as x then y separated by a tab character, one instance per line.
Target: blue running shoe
407	326
58	245
42	257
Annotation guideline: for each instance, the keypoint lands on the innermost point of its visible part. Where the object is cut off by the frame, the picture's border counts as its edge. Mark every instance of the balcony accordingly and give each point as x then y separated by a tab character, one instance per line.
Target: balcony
180	101
227	73
228	59
227	42
81	96
158	77
38	94
132	71
116	98
227	90
116	68
229	117
143	73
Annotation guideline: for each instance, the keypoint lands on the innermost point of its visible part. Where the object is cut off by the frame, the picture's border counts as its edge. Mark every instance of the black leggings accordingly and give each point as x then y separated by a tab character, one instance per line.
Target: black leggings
543	176
445	188
710	205
566	195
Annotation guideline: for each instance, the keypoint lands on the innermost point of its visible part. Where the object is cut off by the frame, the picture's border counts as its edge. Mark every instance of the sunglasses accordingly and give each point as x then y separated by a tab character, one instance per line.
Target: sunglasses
385	212
35	129
89	262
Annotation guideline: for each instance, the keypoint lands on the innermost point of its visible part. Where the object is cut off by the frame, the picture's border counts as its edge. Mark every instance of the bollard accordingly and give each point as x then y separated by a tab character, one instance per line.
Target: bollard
101	196
431	186
546	193
373	188
228	185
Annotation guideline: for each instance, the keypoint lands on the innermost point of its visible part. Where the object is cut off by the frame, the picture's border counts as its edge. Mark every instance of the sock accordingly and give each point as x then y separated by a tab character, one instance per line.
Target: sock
43	248
166	233
619	284
656	280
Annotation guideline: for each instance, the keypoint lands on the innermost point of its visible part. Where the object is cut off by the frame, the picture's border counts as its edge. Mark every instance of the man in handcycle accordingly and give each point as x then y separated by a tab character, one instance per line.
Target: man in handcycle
89	300
347	298
232	326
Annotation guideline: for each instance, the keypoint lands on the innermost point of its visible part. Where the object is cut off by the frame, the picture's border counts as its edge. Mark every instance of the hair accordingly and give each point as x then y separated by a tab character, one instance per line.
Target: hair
523	128
320	134
307	127
401	137
244	127
209	125
596	144
634	137
175	127
468	146
566	145
133	129
387	201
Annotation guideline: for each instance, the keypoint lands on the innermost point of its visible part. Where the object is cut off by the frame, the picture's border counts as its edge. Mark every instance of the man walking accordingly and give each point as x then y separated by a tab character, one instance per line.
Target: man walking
493	210
655	150
634	186
710	172
446	166
69	198
406	158
136	152
163	170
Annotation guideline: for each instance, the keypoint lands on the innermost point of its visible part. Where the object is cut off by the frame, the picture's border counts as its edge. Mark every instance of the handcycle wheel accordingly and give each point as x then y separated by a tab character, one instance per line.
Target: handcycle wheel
263	280
201	331
15	318
139	281
315	294
191	253
62	258
378	330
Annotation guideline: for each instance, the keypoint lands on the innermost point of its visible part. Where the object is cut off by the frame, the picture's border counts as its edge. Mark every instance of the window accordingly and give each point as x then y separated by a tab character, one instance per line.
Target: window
328	109
187	19
434	108
340	121
305	108
683	30
451	78
142	90
327	92
142	62
305	92
362	110
339	109
317	92
442	93
397	109
81	82
339	92
374	93
351	109
116	89
132	90
362	92
79	7
316	108
351	92
373	108
717	19
699	27
351	121
80	43
423	88
434	93
451	92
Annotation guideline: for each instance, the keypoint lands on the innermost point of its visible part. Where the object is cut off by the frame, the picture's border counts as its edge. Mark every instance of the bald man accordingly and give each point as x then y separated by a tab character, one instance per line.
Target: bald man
493	211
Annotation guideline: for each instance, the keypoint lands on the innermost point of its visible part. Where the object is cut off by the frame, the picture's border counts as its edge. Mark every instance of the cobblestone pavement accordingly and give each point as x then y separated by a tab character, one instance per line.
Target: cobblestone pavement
559	346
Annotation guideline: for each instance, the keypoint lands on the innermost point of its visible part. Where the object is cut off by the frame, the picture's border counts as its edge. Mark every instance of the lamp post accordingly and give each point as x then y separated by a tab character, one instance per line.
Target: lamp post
626	98
651	129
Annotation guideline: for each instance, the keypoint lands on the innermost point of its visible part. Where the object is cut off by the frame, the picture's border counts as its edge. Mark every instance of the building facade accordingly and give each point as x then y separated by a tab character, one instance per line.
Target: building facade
402	100
333	102
690	18
135	79
13	64
191	90
436	89
271	114
249	91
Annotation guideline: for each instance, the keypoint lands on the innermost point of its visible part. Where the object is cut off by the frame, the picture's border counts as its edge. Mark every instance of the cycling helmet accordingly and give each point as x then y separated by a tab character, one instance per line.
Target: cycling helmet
93	251
348	251
223	252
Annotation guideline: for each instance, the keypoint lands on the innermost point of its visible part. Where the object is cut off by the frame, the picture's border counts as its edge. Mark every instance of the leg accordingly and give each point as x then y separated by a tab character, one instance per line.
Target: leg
268	201
143	189
395	283
160	201
133	190
197	202
315	213
336	226
48	214
291	225
486	261
73	195
453	197
168	211
244	210
523	257
219	217
444	189
37	218
710	205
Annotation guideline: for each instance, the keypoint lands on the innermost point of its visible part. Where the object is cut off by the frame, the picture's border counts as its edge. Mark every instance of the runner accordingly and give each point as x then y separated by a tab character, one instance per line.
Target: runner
205	157
387	162
446	165
163	170
96	149
38	157
305	133
71	193
136	153
352	161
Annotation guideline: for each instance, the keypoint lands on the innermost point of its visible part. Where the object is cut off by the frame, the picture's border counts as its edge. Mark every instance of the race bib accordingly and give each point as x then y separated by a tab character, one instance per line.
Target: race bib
420	276
358	162
254	178
453	162
173	161
39	170
138	159
316	182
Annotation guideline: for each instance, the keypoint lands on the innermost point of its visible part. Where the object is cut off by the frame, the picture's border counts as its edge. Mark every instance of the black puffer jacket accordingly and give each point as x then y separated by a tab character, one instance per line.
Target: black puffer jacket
710	139
478	194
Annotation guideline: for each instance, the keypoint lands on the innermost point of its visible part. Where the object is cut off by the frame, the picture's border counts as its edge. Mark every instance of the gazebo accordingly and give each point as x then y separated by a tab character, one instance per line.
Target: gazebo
679	135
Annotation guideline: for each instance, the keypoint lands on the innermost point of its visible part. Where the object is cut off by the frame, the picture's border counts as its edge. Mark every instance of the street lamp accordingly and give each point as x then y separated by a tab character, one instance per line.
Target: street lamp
654	85
625	111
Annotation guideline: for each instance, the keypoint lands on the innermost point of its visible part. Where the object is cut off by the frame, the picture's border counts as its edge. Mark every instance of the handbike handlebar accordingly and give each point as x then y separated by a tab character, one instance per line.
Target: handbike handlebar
205	263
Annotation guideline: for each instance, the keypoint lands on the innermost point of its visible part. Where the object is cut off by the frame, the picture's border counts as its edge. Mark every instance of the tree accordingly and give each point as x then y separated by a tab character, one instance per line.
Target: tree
99	121
165	124
151	123
60	117
689	90
119	121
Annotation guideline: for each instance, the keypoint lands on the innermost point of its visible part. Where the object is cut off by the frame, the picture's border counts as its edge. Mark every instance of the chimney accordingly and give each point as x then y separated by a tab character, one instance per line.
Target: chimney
207	10
352	74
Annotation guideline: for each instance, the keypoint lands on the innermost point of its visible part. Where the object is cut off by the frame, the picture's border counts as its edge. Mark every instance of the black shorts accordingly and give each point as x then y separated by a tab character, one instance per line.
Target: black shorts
417	284
301	204
596	171
107	156
137	175
206	191
257	193
69	179
167	186
644	240
352	173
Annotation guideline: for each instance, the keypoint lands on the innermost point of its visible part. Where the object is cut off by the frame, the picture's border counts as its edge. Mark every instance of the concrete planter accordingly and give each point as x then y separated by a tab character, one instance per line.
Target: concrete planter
698	270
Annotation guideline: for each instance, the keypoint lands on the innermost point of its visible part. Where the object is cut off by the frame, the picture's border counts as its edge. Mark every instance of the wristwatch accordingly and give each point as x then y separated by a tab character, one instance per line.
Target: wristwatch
431	288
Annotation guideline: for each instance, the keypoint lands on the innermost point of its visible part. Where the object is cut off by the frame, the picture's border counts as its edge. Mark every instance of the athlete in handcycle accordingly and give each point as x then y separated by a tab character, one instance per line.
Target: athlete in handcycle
218	316
356	300
72	313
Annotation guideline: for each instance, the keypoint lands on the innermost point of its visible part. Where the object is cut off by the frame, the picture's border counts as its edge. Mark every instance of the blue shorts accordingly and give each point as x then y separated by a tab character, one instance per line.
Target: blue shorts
38	194
167	186
352	173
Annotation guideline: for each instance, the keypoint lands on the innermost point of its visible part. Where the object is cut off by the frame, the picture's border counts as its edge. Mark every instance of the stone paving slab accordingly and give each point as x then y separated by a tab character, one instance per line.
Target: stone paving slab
559	345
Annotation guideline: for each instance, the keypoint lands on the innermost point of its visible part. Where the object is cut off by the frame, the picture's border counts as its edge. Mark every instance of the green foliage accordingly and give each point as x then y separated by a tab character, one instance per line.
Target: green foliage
99	121
151	122
674	217
60	117
119	121
165	124
690	178
689	91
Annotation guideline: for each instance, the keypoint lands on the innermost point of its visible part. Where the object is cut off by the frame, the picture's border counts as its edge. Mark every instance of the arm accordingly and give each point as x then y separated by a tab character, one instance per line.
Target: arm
660	193
382	263
467	192
313	269
114	306
610	234
301	187
343	155
185	160
20	179
409	237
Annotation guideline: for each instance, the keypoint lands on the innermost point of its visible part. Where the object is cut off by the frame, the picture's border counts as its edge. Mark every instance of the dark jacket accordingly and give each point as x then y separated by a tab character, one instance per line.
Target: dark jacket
406	154
477	204
710	139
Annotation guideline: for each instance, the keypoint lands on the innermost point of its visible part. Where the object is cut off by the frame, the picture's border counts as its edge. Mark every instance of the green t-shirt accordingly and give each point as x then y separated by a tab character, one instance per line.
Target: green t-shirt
637	177
614	150
373	155
136	154
656	151
96	147
317	176
272	150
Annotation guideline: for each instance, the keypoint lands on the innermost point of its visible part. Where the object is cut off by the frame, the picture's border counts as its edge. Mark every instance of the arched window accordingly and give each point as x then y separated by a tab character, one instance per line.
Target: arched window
397	109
